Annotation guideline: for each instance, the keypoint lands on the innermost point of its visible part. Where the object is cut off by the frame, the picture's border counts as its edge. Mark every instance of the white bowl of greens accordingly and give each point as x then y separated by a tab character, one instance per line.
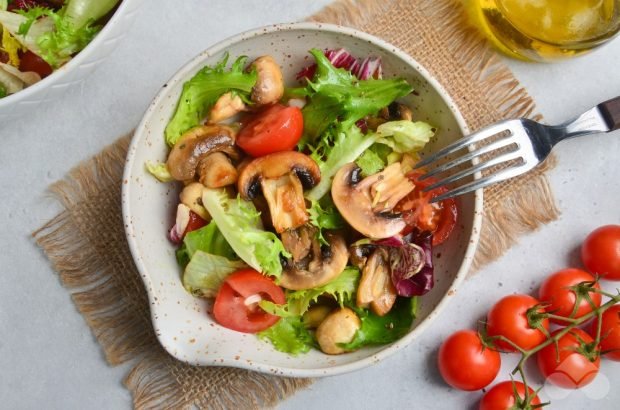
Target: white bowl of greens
184	322
46	50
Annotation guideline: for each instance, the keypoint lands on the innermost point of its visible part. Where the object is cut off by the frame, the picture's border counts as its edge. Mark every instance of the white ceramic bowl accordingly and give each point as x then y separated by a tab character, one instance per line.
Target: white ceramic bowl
181	321
76	70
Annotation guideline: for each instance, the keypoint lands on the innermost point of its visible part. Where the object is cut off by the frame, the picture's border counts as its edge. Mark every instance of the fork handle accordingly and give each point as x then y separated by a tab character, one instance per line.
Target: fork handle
611	112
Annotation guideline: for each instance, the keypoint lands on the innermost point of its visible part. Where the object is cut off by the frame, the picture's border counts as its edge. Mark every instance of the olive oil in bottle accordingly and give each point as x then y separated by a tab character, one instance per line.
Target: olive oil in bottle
546	30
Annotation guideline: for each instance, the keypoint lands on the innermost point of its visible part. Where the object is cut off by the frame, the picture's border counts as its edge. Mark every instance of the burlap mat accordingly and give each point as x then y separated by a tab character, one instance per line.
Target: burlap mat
86	243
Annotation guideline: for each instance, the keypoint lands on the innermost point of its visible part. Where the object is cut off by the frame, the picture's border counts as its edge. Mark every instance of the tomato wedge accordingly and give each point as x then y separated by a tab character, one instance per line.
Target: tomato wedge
278	128
236	304
419	213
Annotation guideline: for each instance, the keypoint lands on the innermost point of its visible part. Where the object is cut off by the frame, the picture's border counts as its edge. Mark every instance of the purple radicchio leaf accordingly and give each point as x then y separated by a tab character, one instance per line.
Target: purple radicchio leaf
412	266
368	68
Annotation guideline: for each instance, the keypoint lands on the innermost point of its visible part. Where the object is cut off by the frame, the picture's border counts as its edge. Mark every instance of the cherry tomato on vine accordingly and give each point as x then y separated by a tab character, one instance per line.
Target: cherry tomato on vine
465	363
236	304
610	333
555	291
600	252
502	397
508	318
574	363
278	128
419	213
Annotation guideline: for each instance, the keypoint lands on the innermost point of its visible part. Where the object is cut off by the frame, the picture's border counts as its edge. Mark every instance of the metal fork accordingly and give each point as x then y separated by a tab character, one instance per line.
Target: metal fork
531	142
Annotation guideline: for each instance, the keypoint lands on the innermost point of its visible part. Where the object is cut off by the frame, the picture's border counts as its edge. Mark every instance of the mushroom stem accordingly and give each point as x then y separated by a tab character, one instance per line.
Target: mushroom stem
285	196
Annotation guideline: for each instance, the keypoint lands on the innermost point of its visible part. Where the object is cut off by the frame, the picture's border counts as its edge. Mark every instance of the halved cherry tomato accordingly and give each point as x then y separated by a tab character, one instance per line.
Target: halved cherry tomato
600	252
502	397
566	365
610	333
465	363
419	213
278	128
508	318
236	304
195	222
29	61
555	291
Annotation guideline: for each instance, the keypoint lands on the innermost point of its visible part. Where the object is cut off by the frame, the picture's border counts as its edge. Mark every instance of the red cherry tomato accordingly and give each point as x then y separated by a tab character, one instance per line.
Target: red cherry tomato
464	362
278	128
610	333
600	252
508	318
195	222
29	61
565	366
502	396
236	304
419	213
555	291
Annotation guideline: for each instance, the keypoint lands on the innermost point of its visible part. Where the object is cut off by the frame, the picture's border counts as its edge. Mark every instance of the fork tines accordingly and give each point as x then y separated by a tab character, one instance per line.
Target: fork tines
478	144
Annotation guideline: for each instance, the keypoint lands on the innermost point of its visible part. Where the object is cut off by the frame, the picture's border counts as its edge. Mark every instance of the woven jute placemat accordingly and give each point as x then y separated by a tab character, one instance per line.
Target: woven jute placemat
86	243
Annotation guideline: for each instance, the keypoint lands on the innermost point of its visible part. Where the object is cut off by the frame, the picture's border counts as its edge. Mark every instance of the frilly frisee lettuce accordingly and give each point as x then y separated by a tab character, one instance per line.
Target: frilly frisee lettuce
336	95
340	288
289	335
159	170
404	136
14	22
324	215
239	222
201	92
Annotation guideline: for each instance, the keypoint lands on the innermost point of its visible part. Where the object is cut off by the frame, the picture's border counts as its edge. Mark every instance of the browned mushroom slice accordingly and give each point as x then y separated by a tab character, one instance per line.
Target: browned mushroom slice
196	145
397	111
298	242
376	288
281	177
326	264
337	328
227	105
367	204
269	87
216	171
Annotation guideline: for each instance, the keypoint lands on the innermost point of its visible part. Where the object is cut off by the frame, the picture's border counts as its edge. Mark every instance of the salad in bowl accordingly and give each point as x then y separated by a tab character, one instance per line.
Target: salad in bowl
273	208
37	37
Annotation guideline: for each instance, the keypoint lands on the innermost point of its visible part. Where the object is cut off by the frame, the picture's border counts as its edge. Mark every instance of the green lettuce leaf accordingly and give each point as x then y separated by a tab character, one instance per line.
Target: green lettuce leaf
379	330
207	239
348	144
405	136
201	92
337	95
239	222
324	215
67	37
289	335
370	162
205	273
341	289
159	170
2	91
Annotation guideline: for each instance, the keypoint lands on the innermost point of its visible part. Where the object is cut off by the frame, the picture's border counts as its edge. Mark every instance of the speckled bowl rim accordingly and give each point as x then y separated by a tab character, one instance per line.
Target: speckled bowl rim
73	64
388	48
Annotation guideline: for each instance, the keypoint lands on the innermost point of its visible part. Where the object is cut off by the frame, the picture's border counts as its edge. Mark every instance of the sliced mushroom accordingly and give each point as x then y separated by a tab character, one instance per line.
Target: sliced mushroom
226	106
269	87
197	144
315	315
367	204
337	328
321	266
282	177
298	242
397	111
216	171
376	288
192	197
